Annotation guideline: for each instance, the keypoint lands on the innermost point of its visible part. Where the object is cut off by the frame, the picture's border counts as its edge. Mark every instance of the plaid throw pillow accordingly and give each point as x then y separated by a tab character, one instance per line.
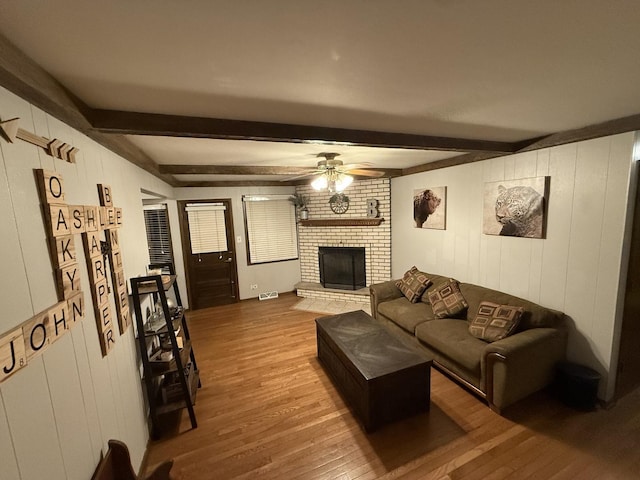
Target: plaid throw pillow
447	300
413	284
495	322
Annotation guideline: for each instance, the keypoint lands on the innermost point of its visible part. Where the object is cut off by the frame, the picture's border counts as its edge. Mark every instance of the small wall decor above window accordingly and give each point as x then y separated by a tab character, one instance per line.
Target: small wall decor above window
516	208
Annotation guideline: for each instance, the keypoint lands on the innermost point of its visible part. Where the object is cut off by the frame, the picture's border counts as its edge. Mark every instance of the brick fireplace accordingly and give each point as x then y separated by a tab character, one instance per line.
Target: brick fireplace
354	231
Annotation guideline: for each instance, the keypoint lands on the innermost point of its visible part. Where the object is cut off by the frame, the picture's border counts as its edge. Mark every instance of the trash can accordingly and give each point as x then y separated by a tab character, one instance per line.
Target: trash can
577	385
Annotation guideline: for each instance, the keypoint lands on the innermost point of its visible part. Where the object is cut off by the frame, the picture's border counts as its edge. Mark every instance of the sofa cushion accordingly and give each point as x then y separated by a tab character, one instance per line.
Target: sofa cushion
446	299
413	284
534	315
436	280
405	314
451	338
495	322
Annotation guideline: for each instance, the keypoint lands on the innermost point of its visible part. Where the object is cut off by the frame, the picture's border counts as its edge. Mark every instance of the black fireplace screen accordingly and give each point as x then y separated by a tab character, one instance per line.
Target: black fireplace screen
342	267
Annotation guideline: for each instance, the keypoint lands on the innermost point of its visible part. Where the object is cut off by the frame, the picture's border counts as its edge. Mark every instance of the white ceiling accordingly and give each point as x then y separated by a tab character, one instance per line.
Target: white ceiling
503	70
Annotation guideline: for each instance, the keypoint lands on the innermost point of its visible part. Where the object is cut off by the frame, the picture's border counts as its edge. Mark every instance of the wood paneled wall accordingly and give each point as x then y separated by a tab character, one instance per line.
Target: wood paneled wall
59	412
575	269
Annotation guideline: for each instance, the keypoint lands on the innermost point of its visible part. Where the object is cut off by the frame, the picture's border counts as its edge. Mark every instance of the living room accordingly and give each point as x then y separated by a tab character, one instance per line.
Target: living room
82	397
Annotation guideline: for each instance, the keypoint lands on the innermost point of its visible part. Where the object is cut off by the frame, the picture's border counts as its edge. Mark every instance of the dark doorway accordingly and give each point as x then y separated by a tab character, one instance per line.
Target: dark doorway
206	228
628	375
342	267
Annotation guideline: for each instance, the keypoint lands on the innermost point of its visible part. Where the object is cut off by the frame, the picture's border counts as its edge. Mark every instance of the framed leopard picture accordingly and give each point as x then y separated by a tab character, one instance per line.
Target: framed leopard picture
516	208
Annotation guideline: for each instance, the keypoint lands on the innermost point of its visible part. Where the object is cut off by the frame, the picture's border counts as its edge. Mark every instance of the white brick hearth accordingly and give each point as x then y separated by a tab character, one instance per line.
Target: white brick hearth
375	239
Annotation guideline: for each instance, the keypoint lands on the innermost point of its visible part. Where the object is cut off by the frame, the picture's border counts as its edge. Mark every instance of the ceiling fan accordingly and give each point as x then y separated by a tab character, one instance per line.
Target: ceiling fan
334	175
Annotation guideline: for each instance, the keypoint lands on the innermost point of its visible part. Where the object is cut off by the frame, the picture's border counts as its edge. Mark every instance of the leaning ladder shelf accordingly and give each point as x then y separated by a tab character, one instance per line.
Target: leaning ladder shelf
181	362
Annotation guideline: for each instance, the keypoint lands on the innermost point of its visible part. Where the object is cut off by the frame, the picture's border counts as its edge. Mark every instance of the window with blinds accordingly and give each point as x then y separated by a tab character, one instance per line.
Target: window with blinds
156	222
207	227
270	221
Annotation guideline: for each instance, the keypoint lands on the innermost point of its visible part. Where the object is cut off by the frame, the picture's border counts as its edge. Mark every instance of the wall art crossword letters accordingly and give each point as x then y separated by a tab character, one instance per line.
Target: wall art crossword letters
98	226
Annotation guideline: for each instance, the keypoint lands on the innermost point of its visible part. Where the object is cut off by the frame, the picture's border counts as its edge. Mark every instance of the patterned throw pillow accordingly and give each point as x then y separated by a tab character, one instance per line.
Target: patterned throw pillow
495	322
413	284
447	300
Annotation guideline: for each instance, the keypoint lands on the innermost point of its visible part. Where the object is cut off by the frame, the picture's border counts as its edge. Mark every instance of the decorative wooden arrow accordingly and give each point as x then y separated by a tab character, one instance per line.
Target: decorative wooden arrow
57	149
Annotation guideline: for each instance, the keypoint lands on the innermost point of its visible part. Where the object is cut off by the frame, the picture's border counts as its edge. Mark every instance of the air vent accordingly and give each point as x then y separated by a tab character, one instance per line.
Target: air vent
268	295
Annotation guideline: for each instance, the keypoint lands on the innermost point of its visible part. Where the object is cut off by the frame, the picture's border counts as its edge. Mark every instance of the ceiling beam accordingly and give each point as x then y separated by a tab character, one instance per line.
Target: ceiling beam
232	170
237	183
603	129
452	162
256	170
25	78
598	130
134	123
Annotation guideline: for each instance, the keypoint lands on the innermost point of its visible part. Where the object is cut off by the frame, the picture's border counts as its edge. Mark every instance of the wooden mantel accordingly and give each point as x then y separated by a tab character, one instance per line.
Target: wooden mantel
342	222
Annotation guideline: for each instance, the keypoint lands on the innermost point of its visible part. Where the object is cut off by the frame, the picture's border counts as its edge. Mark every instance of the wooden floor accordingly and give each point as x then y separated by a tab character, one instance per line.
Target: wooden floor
267	410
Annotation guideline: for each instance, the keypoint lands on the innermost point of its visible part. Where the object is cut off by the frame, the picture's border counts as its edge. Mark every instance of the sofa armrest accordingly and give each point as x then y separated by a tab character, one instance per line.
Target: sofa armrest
521	364
382	292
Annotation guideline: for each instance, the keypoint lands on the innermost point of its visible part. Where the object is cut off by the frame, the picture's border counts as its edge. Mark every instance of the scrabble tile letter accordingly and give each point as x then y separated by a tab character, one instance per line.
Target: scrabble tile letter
12	355
50	186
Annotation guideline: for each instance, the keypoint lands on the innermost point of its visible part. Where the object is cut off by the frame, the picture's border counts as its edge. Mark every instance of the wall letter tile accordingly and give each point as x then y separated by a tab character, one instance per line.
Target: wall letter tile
75	305
68	281
65	251
91	218
59	320
91	242
50	186
76	213
12	354
104	193
37	334
59	220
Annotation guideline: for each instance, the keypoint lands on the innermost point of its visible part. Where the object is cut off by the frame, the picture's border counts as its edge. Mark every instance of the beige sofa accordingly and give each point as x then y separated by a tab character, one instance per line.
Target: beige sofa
503	371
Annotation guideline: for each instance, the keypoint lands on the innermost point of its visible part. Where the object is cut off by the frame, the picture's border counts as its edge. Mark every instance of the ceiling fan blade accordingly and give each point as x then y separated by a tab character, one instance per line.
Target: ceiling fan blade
366	173
302	175
352	166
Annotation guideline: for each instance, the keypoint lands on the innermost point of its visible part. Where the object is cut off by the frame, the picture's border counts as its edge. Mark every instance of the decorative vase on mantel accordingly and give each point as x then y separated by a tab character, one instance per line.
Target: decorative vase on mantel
304	213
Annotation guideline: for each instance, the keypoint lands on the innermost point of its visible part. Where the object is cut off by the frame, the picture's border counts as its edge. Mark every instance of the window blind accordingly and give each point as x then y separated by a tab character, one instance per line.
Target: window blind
156	222
271	228
207	227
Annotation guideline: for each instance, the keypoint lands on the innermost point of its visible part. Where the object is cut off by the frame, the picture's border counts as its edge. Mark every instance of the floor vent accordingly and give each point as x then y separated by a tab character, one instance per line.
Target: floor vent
268	295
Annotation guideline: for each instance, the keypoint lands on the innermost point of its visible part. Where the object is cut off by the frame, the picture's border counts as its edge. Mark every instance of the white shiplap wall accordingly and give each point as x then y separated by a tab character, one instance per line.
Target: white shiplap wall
59	412
575	269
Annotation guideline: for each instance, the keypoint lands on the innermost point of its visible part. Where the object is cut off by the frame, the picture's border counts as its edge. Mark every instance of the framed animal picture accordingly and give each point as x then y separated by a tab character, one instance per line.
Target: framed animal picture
430	208
516	208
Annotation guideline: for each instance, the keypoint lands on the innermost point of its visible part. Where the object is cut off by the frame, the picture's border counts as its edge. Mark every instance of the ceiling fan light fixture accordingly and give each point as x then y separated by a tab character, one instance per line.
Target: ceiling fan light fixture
320	183
343	182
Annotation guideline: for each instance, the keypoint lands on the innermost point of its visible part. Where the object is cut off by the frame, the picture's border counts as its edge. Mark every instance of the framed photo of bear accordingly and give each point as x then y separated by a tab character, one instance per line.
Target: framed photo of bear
516	208
430	208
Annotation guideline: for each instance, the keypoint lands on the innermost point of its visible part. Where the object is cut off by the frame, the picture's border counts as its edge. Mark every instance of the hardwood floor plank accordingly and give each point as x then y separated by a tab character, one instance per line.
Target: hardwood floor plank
267	410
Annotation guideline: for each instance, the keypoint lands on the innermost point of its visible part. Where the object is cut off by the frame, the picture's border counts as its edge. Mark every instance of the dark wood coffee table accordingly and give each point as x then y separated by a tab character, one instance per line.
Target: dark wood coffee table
380	377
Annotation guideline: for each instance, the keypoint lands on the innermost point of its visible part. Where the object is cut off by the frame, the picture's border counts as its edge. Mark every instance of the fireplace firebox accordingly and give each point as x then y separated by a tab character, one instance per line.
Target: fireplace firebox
342	267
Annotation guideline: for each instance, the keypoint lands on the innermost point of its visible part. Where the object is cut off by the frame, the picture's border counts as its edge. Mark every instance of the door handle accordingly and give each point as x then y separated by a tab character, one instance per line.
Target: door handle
229	260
